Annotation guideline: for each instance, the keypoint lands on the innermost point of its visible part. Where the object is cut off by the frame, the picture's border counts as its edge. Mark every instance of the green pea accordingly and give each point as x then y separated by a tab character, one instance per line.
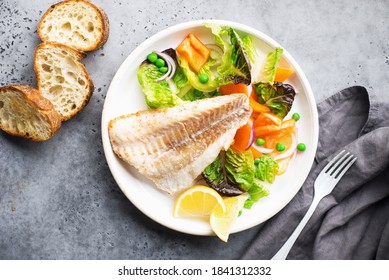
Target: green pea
301	147
203	78
296	116
260	141
160	62
280	147
256	161
163	69
152	57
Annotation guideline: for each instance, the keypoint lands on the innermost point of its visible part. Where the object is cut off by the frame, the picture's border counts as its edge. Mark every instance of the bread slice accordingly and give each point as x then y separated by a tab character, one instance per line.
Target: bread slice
25	112
62	79
76	23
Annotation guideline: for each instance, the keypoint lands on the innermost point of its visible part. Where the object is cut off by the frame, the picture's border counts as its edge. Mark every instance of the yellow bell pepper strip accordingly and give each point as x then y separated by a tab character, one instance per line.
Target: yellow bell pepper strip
282	74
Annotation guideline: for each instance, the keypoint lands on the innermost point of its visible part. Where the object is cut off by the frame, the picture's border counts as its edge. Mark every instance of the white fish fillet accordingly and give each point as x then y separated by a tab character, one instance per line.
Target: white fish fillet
173	146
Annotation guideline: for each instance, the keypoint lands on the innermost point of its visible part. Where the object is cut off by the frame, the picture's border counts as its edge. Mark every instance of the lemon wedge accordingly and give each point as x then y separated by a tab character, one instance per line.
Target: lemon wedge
197	201
222	220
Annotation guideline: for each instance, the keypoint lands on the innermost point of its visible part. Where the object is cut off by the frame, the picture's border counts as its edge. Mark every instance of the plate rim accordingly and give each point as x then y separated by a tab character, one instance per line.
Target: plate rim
192	24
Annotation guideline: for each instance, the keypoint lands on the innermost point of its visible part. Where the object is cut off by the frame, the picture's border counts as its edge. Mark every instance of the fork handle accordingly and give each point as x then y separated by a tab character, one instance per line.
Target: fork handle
284	251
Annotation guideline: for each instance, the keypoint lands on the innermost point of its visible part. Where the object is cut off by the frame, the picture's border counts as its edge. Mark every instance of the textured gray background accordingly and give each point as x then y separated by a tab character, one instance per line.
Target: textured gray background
58	199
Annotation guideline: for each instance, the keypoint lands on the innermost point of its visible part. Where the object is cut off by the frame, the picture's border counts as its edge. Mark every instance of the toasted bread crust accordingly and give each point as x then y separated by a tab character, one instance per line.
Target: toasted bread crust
105	24
43	105
103	20
78	56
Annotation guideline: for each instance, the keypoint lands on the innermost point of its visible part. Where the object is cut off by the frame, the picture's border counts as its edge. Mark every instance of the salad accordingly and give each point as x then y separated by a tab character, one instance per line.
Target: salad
262	148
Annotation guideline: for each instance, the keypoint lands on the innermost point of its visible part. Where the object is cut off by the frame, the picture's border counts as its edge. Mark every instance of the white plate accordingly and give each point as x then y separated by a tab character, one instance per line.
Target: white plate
125	96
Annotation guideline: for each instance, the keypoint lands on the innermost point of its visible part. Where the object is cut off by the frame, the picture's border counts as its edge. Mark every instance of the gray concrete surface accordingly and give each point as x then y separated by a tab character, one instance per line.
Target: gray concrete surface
58	199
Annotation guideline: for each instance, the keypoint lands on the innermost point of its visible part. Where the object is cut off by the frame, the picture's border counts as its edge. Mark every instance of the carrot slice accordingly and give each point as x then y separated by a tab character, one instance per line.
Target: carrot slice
253	95
271	140
282	74
273	131
266	119
242	137
233	88
264	130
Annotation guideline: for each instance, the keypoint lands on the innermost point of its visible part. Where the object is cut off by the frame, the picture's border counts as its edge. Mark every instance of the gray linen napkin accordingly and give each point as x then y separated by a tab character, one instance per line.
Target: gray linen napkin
353	221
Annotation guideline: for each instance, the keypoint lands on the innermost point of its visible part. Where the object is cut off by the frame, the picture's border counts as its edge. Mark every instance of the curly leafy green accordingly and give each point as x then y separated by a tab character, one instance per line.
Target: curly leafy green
237	174
231	173
266	169
236	66
240	168
278	97
214	175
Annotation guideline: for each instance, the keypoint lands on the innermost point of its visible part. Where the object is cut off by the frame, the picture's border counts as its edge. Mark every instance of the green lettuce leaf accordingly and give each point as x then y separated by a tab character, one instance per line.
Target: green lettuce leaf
278	97
250	48
256	192
181	81
266	169
214	175
240	169
234	173
268	72
195	94
214	172
158	94
235	66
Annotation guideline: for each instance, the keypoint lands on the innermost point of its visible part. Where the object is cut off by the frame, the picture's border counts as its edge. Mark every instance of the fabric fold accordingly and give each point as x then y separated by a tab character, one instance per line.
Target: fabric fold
352	221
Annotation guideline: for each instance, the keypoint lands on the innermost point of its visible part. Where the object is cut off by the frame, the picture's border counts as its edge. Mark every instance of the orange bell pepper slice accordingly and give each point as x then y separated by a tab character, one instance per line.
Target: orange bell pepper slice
258	107
194	51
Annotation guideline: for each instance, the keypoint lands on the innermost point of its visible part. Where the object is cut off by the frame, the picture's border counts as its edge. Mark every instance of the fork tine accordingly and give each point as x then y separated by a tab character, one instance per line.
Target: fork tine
340	175
338	163
342	163
331	163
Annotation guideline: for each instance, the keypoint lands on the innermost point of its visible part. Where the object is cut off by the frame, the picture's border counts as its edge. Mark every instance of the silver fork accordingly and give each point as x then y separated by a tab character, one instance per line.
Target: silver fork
324	184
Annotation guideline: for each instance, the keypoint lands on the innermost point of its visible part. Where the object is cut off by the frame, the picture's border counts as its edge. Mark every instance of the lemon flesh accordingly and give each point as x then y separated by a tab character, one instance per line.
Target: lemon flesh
222	221
197	201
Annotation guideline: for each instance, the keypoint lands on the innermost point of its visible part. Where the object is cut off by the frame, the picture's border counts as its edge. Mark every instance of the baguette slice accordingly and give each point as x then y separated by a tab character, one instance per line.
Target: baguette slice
25	112
62	79
76	23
